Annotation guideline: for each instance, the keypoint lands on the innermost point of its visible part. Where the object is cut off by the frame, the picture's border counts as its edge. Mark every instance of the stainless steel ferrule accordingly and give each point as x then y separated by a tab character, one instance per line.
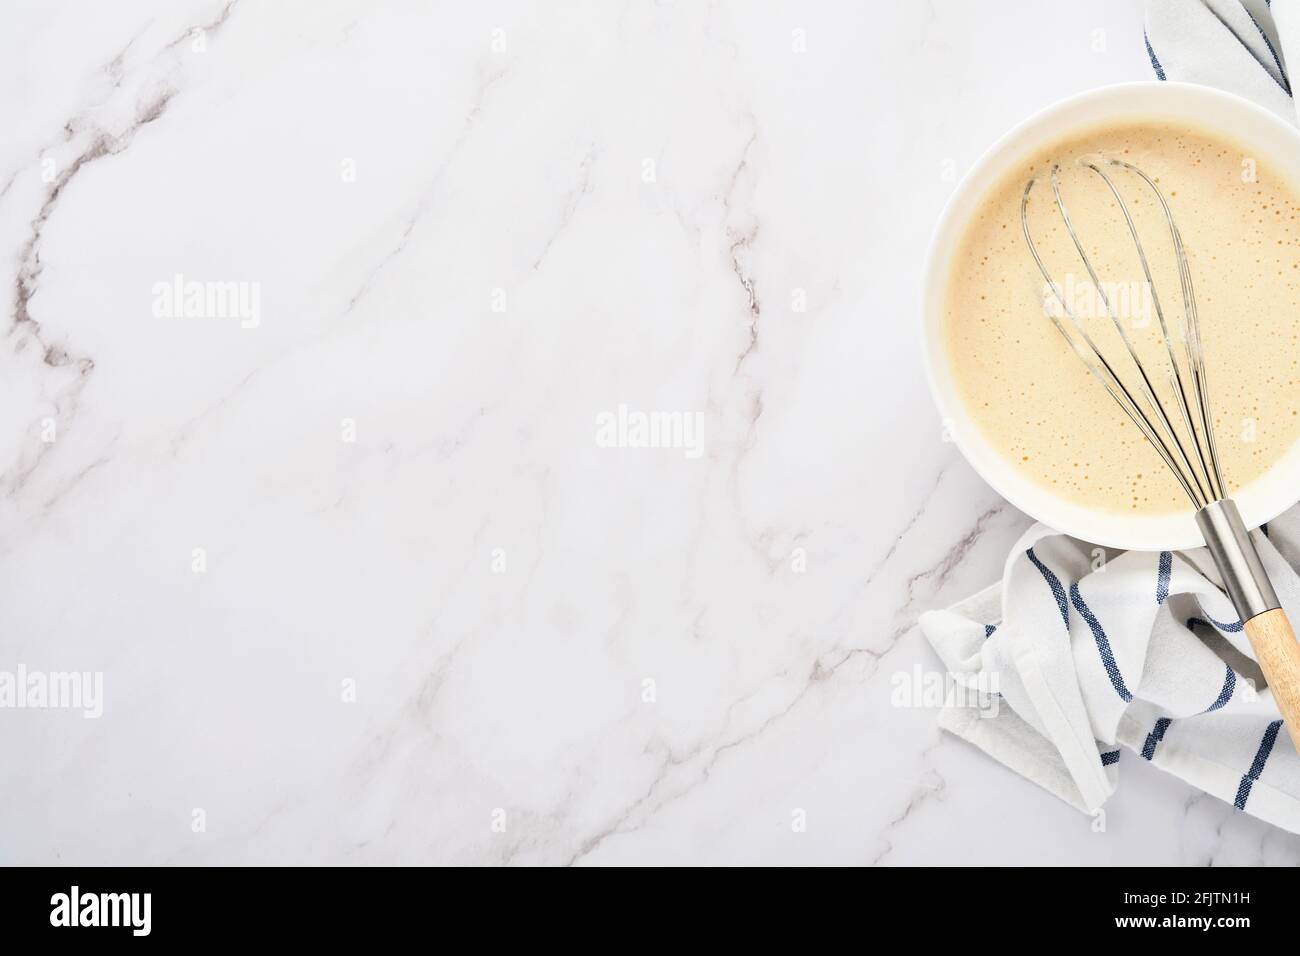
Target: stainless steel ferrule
1235	556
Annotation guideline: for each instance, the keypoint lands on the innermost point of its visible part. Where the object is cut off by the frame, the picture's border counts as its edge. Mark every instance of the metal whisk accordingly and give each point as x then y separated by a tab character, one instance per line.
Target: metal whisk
1187	446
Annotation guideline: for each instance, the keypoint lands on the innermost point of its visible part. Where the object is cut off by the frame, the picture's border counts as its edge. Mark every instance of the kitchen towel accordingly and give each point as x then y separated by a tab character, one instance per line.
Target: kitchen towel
1222	43
1081	659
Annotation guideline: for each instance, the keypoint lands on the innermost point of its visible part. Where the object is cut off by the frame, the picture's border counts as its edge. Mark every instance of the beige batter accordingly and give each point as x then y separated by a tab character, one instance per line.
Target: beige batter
1029	393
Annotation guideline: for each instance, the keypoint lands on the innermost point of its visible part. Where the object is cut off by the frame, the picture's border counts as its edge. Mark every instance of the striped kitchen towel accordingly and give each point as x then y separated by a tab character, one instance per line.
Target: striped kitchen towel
1241	47
1081	660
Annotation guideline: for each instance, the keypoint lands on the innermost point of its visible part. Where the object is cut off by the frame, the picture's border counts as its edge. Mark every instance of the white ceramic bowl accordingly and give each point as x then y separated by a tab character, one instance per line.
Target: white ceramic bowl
1261	135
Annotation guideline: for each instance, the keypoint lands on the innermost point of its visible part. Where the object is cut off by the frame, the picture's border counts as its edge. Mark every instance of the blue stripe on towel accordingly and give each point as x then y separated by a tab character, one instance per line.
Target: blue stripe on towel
1232	627
1162	576
1225	695
1109	758
1103	644
1157	734
1155	64
1054	583
1284	82
1257	766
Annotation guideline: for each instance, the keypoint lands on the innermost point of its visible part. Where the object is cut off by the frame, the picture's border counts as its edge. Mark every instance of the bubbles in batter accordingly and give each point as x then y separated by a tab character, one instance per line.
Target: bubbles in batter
1031	396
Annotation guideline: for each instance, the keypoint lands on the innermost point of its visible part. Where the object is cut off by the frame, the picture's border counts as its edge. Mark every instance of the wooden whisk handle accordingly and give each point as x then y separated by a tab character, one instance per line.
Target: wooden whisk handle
1278	656
1252	594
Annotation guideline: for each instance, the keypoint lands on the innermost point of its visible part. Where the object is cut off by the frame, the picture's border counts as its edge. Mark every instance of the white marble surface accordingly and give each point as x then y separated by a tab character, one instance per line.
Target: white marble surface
446	213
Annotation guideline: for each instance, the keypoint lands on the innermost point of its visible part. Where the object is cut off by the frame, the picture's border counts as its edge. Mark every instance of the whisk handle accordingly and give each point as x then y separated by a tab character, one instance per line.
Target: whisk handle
1252	594
1278	655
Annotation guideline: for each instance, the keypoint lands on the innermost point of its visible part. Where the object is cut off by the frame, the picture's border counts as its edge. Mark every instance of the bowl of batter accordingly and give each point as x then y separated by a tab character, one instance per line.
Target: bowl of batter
1021	406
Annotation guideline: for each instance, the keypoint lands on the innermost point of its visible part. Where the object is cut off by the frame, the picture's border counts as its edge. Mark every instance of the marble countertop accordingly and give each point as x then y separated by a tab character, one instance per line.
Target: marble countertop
337	331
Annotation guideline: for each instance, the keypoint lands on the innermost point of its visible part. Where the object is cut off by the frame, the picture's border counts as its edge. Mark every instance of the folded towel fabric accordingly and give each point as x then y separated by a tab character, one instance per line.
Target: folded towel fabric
1091	654
1221	43
1080	656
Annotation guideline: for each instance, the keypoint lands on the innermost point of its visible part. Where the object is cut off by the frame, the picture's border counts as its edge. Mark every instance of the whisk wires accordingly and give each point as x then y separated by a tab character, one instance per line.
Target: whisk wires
1191	456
